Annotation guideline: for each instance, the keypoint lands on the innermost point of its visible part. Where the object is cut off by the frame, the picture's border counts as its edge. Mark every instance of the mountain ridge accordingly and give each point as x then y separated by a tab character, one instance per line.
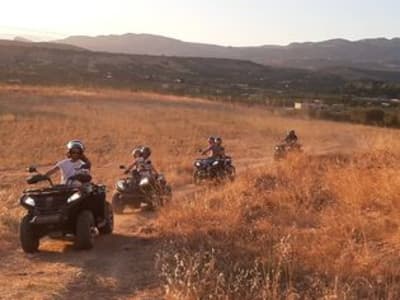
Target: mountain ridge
378	53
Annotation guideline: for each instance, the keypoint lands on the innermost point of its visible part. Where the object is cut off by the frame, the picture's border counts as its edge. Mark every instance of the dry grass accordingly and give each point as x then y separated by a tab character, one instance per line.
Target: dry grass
315	227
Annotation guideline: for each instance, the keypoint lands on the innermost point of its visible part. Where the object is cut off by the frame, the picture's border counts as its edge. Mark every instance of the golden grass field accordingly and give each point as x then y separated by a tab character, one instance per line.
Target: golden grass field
324	225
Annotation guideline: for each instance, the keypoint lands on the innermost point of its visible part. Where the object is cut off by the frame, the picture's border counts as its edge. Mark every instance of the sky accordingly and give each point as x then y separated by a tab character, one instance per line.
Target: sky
223	22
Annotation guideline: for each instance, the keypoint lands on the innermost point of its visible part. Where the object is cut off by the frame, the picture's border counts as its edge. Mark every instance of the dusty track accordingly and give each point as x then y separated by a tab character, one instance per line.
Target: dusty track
121	266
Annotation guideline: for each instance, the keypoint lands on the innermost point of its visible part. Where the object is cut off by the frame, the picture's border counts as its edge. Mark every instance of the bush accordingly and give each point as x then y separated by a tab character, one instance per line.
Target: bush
375	116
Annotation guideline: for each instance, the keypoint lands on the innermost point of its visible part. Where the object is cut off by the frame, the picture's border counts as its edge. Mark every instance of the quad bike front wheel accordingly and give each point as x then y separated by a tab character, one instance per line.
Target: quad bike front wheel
117	204
109	215
85	230
29	239
231	173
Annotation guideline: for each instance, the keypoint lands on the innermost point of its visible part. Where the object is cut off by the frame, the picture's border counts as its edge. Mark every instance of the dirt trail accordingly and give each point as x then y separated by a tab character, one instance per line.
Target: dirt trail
121	266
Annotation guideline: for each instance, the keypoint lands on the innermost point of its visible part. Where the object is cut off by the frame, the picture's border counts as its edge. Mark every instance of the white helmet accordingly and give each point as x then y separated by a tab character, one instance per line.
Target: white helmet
136	152
75	144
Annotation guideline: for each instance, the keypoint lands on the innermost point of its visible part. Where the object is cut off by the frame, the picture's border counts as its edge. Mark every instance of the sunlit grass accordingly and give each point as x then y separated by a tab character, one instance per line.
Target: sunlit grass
314	227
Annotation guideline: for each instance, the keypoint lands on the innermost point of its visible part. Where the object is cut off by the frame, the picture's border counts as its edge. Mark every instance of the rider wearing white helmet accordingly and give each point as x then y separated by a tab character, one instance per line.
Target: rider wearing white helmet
137	160
142	162
79	145
214	148
75	162
148	166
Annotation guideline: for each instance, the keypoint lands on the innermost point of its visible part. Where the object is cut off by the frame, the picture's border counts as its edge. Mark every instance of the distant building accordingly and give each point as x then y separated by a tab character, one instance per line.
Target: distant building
14	81
298	105
179	80
315	105
395	100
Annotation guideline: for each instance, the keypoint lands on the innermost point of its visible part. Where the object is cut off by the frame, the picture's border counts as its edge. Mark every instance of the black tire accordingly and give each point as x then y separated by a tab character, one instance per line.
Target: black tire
29	239
84	236
117	204
196	178
167	195
109	215
231	172
279	156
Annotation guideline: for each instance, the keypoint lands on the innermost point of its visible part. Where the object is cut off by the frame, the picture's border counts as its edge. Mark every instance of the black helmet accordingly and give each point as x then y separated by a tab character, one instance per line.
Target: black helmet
75	144
211	139
218	140
292	132
146	151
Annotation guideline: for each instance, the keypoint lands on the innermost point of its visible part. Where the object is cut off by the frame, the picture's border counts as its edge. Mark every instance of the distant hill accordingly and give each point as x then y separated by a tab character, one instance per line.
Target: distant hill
44	63
59	64
21	42
22	39
379	54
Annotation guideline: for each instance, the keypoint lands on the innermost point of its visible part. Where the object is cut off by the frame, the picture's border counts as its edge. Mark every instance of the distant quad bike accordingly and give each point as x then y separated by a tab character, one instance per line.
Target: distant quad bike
281	151
62	210
138	189
213	169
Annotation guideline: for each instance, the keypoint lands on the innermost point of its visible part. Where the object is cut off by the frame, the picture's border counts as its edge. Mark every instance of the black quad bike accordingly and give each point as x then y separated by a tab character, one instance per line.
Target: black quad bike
63	210
281	151
213	169
137	189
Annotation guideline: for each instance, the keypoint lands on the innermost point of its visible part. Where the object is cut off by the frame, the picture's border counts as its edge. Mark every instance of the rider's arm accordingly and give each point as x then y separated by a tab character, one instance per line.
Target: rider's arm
130	167
153	169
52	171
204	152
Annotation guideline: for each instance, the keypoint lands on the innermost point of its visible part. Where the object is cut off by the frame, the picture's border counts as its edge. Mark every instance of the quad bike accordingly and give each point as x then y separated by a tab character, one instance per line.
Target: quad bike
141	188
64	210
281	151
213	169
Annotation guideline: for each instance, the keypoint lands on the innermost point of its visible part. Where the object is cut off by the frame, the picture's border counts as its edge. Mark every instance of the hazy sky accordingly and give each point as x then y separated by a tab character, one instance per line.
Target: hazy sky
226	22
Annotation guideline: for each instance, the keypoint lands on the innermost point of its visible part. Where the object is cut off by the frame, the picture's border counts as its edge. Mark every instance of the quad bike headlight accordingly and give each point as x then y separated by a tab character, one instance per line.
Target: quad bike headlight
215	163
144	181
197	164
74	197
29	201
121	185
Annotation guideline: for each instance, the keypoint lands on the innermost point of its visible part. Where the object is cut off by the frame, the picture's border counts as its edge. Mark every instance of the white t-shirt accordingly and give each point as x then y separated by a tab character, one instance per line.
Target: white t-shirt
69	168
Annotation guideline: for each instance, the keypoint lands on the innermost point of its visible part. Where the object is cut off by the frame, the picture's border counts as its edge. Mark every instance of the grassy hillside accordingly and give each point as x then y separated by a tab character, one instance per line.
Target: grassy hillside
322	225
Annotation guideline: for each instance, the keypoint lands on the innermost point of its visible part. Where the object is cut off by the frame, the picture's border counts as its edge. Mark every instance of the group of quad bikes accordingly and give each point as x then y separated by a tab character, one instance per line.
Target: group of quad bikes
81	213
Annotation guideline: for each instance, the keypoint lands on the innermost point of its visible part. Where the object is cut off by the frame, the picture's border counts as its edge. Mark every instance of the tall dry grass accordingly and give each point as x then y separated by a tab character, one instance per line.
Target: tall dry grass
314	227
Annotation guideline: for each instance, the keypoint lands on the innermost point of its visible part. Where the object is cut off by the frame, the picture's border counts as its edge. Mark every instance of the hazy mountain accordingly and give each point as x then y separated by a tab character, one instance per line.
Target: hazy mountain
41	63
380	54
22	39
59	64
25	43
